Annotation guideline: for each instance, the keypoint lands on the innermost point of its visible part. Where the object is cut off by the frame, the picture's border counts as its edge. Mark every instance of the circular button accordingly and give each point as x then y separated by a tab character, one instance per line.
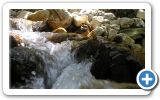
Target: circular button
147	79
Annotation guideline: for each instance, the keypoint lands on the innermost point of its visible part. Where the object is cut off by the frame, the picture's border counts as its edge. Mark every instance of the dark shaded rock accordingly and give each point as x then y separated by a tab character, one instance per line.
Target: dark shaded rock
13	42
118	39
23	63
114	64
109	62
15	39
87	49
44	27
131	13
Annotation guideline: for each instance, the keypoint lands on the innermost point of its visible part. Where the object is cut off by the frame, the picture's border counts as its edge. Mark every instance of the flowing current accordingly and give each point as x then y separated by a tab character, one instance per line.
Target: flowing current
61	70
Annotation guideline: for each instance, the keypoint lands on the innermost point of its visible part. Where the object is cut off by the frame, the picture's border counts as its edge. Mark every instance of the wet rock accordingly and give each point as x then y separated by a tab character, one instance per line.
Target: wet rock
118	39
139	22
86	49
13	42
23	62
109	16
141	14
83	30
58	38
116	65
135	33
15	39
96	21
139	52
80	20
59	18
108	61
44	27
100	31
90	13
115	26
126	22
112	34
40	15
60	30
126	39
24	14
74	10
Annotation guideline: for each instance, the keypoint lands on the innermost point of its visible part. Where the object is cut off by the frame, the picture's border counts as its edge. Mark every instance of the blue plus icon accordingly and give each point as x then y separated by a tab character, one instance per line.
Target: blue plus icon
146	79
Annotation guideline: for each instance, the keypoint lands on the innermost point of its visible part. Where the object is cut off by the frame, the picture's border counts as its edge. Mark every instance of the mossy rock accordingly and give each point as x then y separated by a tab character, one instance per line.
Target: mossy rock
134	33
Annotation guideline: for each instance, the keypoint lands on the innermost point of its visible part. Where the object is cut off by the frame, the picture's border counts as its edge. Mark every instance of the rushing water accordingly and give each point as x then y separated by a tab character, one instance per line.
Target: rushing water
61	69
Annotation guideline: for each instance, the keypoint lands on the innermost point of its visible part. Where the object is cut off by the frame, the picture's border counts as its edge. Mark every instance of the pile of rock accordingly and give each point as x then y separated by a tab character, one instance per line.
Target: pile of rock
115	38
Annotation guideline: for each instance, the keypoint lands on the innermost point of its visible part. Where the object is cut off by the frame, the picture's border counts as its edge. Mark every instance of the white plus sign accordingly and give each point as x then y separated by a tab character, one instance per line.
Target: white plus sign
147	79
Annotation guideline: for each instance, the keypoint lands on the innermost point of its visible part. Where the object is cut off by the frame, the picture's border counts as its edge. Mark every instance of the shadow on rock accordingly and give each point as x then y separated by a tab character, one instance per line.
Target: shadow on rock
109	62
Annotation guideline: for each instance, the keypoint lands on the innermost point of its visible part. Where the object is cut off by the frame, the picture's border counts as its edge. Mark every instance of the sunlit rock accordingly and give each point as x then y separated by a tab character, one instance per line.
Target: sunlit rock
40	15
109	16
96	21
60	30
141	14
80	20
59	18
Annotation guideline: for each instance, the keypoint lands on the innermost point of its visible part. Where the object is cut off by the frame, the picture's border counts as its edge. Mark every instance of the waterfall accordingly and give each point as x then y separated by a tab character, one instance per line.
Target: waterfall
60	65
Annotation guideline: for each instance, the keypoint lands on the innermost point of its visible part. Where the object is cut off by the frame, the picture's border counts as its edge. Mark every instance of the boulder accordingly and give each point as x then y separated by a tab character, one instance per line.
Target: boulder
128	41
80	20
13	42
90	13
15	39
58	38
138	34
139	23
96	21
40	15
115	26
100	31
141	14
139	52
108	61
112	34
126	22
109	16
59	18
25	63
